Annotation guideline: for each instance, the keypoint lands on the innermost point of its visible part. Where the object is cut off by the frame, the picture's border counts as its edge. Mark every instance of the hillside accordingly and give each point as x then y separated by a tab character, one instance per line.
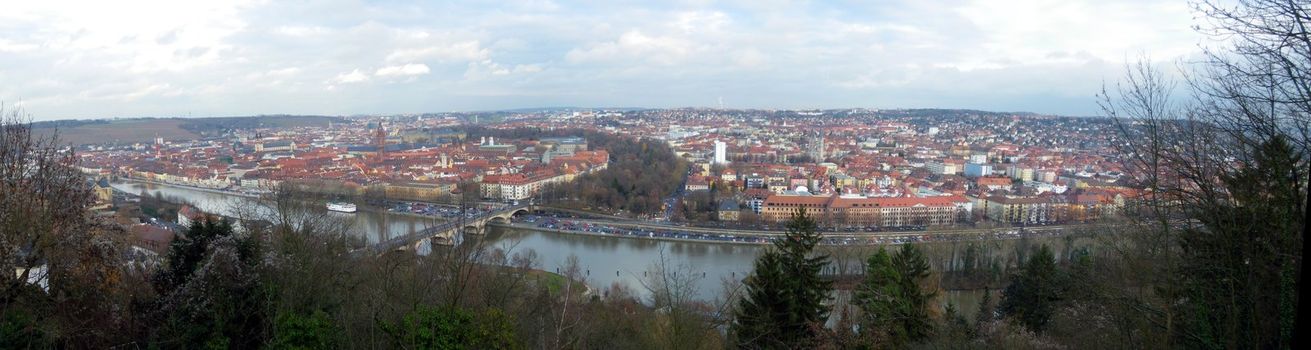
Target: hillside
144	130
117	131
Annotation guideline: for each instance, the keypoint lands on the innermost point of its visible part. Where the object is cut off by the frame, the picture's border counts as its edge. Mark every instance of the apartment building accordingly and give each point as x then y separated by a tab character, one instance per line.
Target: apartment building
860	211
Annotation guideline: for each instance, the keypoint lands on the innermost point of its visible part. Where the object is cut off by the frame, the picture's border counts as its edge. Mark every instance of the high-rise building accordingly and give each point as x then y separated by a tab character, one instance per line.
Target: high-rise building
973	170
721	152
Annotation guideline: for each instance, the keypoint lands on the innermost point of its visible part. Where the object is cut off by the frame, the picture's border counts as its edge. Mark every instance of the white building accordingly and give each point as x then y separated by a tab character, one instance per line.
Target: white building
944	168
1020	173
721	152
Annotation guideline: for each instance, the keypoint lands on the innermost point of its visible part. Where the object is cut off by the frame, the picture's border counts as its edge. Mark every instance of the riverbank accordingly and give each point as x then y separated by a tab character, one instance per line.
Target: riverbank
189	187
937	231
519	226
600	228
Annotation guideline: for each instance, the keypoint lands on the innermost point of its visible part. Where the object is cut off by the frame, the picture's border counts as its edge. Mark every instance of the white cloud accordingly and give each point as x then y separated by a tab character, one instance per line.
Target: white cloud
301	31
283	72
355	76
1049	31
636	46
16	47
458	51
403	70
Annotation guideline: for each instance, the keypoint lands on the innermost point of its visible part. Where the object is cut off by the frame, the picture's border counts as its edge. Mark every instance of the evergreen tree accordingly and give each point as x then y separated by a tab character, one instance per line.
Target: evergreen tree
784	302
986	309
188	250
1234	265
878	298
913	269
954	325
765	301
894	302
210	292
1032	296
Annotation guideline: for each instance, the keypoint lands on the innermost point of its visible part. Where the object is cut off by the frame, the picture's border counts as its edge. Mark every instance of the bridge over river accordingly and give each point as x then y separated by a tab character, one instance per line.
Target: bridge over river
450	231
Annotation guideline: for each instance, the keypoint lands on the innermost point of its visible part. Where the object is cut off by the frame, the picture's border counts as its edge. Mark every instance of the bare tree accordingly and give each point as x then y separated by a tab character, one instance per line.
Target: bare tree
64	257
1256	86
1222	215
1257	82
683	321
509	273
1163	147
288	210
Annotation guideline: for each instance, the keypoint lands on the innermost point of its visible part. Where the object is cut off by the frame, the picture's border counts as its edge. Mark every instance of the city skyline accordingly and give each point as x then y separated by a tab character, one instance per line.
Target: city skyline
642	174
86	60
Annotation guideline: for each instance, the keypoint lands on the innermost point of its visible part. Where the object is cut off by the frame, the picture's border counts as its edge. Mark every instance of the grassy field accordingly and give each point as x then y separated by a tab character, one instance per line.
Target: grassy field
555	283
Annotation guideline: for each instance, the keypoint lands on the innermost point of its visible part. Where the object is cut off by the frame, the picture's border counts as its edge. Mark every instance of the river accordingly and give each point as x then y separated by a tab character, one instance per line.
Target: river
604	260
372	224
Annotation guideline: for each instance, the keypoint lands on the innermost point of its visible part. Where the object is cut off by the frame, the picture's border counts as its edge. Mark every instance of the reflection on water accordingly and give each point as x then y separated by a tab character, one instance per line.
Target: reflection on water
374	225
609	260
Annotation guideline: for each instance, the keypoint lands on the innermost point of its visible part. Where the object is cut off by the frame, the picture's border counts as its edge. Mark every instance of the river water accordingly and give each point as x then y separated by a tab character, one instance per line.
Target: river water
371	224
603	260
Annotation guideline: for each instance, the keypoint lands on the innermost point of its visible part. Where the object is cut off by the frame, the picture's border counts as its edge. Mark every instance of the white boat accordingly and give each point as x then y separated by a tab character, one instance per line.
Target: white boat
341	207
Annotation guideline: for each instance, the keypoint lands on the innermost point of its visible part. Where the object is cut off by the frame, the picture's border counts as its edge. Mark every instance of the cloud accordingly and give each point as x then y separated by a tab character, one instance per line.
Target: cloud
459	51
355	76
13	47
68	58
1024	30
301	31
403	70
635	45
282	72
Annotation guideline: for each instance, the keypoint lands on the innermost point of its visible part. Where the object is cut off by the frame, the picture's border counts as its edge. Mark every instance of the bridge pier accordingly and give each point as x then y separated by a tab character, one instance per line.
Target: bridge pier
476	229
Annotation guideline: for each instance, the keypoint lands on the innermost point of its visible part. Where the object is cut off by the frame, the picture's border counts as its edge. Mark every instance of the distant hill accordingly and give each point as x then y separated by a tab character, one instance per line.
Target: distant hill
144	130
115	131
564	109
220	125
921	112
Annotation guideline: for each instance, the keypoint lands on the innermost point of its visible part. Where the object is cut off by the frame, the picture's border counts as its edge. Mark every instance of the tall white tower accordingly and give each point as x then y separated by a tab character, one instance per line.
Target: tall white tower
721	152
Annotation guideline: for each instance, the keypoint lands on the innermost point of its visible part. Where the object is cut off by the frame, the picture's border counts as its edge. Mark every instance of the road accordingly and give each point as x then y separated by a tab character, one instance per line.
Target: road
677	196
668	226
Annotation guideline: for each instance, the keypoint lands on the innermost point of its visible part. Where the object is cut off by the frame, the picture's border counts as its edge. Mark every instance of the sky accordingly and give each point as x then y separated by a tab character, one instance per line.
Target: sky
100	59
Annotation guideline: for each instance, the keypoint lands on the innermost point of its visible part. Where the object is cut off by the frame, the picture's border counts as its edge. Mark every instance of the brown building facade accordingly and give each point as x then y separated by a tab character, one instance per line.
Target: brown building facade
851	211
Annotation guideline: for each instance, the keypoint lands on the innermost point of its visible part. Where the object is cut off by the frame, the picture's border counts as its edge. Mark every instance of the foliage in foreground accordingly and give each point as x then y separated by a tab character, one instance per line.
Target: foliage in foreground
784	305
895	299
